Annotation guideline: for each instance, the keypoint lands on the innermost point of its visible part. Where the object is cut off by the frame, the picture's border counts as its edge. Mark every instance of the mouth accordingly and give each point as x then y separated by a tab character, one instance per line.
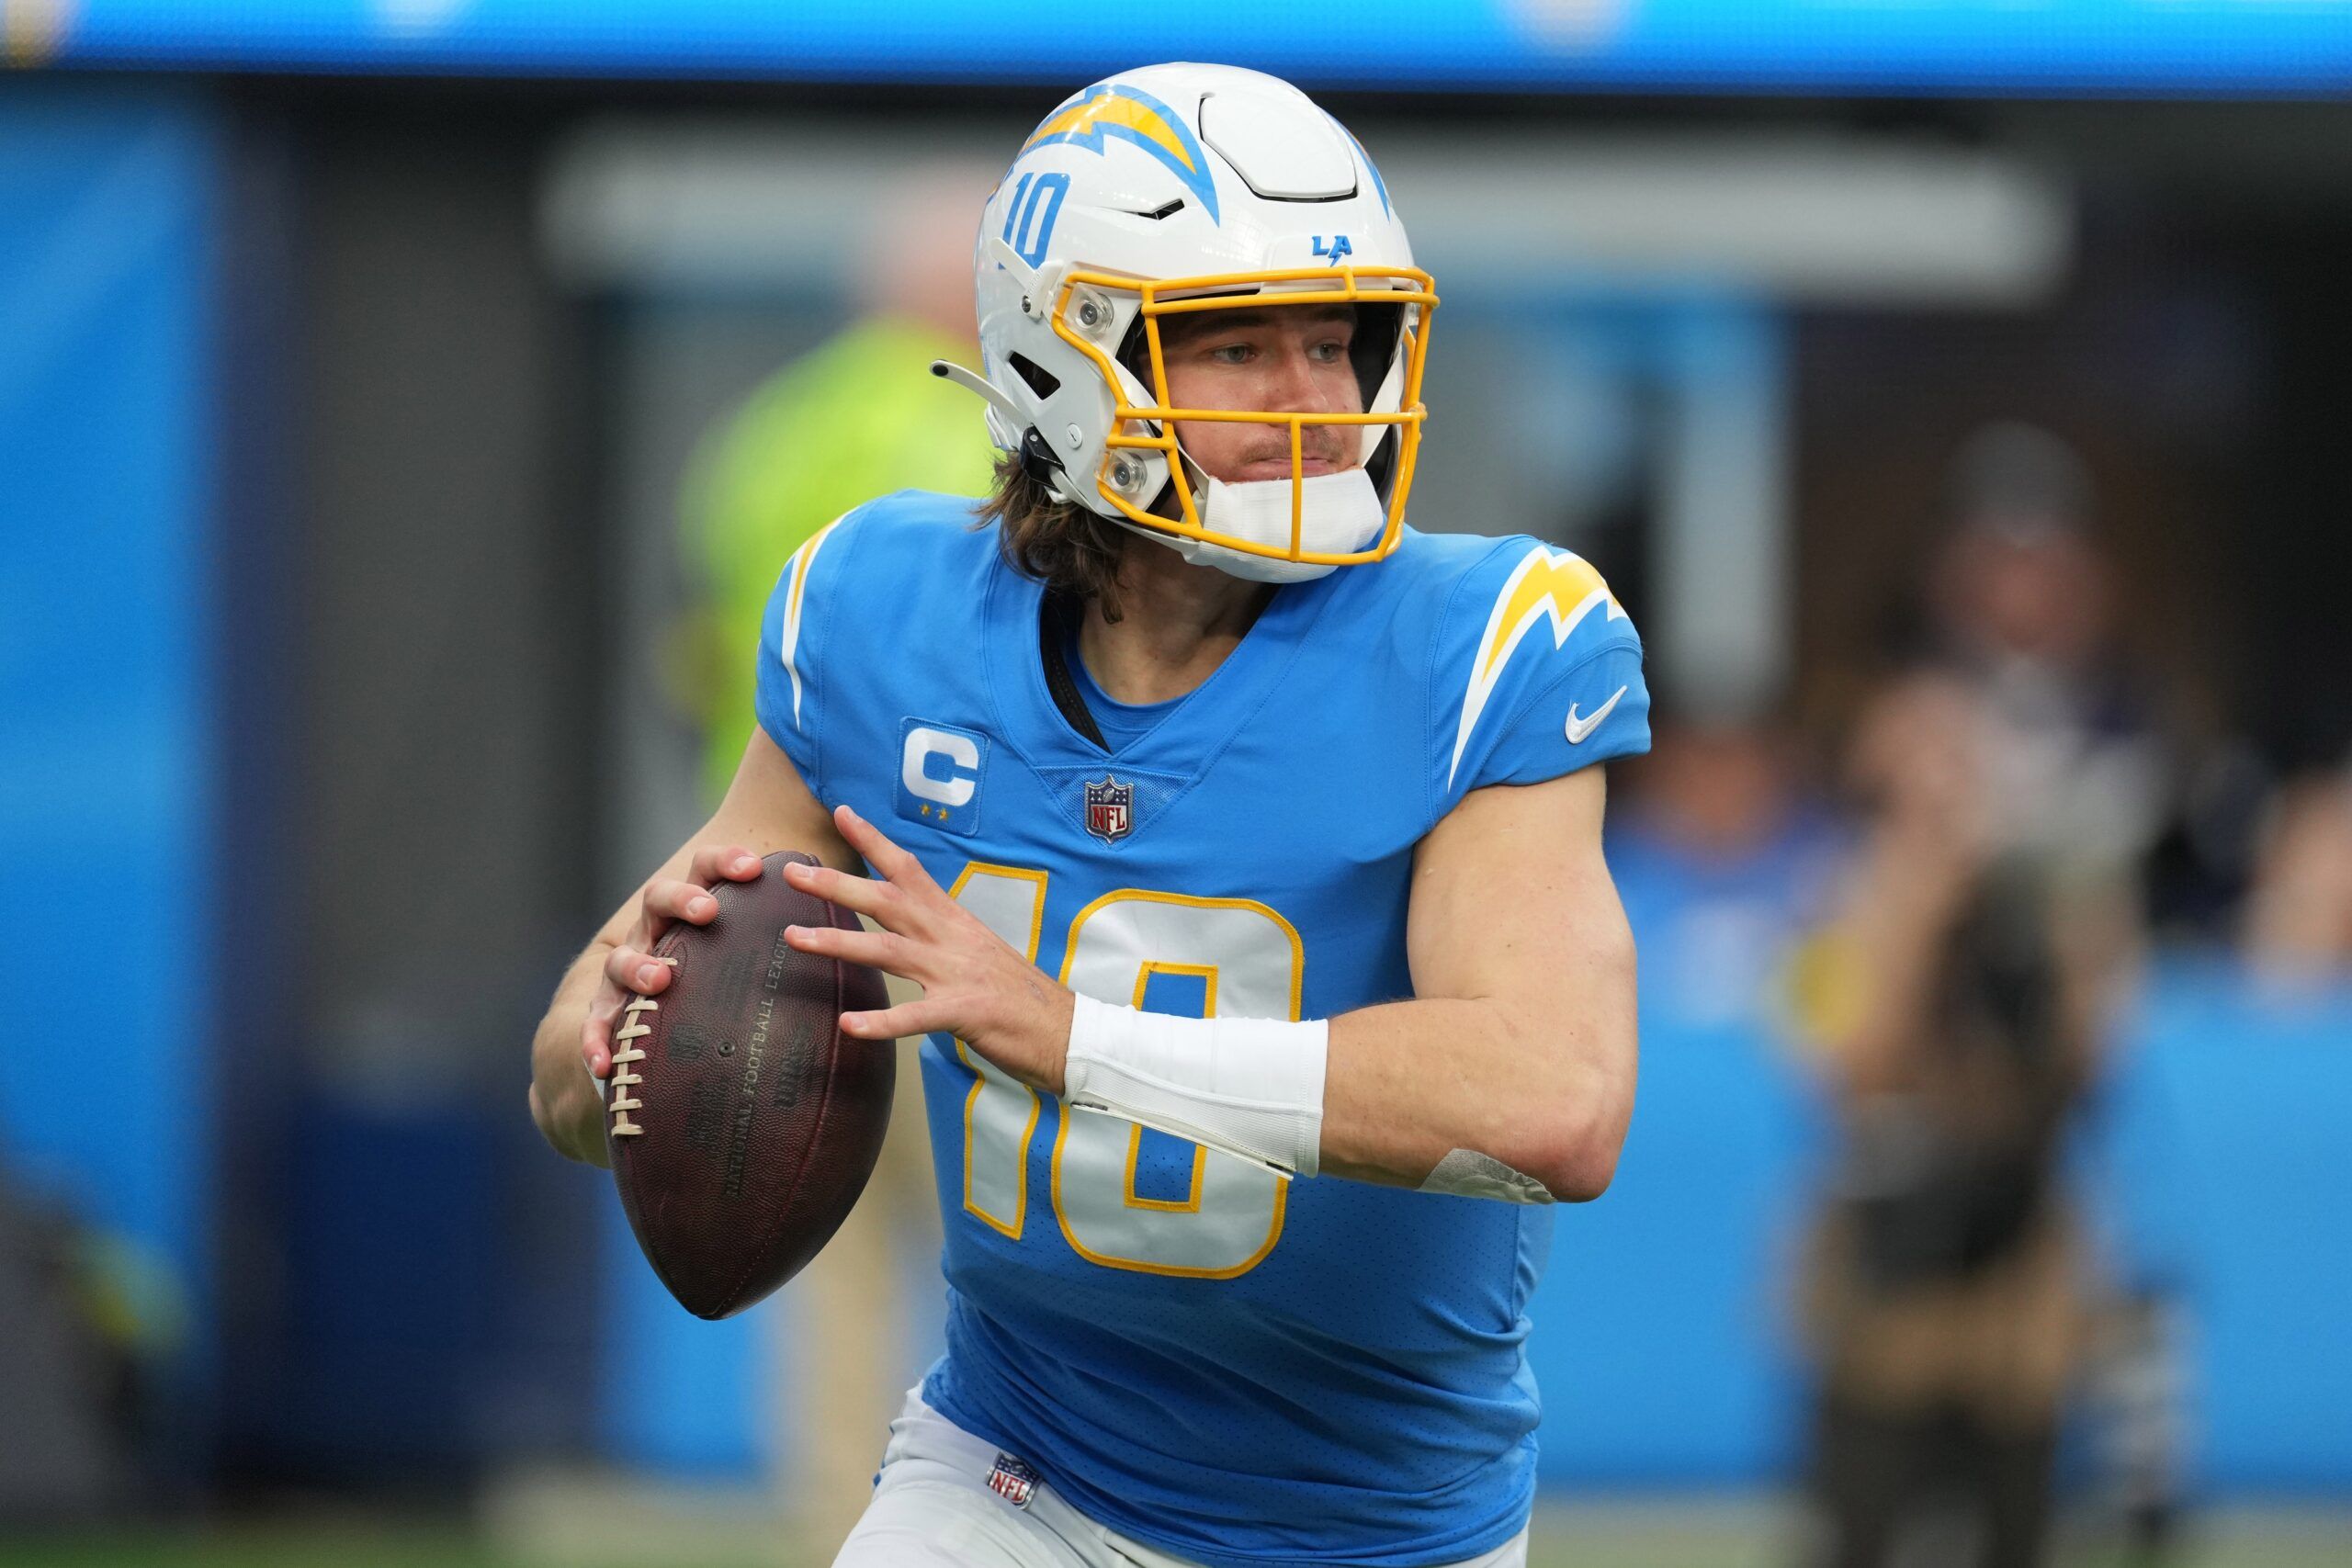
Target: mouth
1276	466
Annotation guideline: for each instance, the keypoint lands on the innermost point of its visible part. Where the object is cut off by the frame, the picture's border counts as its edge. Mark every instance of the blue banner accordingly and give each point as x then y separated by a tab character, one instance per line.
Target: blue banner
2059	46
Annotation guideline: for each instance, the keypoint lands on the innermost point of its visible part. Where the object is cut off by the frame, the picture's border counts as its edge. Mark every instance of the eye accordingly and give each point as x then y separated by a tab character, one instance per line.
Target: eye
1330	351
1231	353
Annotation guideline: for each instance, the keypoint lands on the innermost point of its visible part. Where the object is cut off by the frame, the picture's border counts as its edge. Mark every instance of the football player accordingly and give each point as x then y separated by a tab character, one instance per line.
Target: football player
1247	846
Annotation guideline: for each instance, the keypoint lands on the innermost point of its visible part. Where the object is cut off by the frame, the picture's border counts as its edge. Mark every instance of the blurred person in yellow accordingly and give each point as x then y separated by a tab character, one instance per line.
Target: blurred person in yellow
1956	1006
859	415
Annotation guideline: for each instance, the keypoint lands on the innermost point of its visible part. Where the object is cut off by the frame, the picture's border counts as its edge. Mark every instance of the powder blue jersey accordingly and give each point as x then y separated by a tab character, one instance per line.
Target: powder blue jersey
1239	1368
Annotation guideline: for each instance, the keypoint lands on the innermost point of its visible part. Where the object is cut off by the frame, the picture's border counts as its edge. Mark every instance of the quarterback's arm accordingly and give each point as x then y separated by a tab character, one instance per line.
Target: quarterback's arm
1519	1042
1517	1053
767	807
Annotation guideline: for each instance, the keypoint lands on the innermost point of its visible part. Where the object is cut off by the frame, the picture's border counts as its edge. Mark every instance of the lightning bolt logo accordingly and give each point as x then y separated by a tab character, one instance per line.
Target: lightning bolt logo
1559	585
796	571
1132	116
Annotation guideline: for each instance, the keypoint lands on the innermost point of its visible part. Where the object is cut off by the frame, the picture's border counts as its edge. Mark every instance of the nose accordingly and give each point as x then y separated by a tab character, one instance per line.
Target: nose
1296	380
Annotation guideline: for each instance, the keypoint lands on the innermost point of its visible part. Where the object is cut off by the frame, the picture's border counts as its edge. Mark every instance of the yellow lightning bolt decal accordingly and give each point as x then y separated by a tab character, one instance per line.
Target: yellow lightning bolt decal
803	561
1110	108
1557	583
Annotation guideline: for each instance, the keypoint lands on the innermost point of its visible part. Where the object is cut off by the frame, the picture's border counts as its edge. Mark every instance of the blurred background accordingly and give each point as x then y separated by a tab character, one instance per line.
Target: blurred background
404	403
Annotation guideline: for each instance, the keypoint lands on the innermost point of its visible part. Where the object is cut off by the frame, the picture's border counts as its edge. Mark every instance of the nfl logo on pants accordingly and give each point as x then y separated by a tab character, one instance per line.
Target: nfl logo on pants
1110	809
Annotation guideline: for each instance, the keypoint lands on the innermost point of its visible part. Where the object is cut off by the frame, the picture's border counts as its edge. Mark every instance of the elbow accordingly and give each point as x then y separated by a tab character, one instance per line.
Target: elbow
1582	1174
1575	1146
1576	1157
1571	1130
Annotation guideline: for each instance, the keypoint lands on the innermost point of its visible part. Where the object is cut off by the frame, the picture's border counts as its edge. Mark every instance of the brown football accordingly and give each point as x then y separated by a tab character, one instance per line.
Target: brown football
743	1124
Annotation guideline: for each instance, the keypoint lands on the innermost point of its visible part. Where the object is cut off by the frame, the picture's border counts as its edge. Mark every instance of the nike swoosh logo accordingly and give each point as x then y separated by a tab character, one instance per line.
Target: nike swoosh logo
1580	728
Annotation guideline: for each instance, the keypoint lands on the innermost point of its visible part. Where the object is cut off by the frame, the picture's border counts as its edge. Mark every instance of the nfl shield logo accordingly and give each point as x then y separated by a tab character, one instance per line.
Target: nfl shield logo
1013	1480
1110	809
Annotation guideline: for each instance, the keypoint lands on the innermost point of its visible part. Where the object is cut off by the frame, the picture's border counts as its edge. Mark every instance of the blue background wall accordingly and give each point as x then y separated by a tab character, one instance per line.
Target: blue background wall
107	712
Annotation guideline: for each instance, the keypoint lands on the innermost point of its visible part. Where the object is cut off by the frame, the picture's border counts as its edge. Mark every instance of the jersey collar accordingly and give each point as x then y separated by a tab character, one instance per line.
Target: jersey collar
1191	738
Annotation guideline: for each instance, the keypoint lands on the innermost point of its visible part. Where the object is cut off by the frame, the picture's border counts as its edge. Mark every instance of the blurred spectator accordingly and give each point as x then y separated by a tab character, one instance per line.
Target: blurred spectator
1956	1004
2021	604
859	417
2298	920
1719	859
2020	601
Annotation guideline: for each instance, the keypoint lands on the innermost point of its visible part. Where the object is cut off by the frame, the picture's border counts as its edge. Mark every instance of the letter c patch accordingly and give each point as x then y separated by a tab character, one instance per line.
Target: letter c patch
939	769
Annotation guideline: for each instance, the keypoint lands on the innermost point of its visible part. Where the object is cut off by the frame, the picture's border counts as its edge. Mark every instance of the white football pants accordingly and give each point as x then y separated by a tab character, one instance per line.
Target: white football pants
933	1507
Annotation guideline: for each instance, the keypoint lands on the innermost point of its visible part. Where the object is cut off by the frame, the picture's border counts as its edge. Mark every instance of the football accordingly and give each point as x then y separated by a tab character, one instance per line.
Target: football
740	1121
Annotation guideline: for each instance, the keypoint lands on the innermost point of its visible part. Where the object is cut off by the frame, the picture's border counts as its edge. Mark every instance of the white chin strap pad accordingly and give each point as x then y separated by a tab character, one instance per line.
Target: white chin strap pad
1340	513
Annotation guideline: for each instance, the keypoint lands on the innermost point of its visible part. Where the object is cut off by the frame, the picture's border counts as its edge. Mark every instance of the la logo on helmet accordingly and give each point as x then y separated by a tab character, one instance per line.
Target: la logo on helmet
1339	248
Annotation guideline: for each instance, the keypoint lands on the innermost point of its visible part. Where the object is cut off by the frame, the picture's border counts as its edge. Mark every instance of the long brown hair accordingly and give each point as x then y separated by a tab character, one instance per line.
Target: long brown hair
1060	543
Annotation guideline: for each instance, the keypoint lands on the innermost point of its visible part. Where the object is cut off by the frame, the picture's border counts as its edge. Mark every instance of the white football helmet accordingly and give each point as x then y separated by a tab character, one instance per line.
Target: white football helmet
1179	188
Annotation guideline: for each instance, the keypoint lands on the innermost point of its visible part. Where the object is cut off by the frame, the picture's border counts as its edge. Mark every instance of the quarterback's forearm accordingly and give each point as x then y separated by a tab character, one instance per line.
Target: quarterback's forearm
1545	1090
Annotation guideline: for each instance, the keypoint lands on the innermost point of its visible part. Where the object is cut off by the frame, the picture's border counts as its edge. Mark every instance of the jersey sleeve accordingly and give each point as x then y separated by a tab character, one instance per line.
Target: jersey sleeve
789	694
1537	674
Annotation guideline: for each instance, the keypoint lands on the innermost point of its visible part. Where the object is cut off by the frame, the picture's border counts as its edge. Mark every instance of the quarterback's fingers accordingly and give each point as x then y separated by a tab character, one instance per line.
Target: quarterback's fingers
596	1045
920	1016
860	895
902	869
875	950
686	902
732	862
640	973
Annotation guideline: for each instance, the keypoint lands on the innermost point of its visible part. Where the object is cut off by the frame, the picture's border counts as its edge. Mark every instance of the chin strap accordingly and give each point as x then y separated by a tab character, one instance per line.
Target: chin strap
1056	620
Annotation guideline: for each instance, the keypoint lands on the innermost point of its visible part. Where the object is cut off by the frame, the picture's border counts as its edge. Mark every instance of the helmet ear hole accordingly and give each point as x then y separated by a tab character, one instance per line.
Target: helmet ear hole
1042	381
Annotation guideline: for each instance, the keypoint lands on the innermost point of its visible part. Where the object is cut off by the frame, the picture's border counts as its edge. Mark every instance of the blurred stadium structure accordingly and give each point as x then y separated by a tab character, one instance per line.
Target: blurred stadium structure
351	361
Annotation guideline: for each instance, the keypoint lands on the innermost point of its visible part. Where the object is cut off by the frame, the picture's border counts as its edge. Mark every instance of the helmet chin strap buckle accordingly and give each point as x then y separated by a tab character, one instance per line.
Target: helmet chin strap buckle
1037	459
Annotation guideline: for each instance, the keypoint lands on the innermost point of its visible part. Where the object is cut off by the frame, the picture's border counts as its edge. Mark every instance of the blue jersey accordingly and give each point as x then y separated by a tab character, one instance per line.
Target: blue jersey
1237	1368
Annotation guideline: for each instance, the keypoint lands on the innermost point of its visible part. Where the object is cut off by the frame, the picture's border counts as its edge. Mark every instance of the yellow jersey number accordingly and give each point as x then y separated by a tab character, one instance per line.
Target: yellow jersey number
1251	964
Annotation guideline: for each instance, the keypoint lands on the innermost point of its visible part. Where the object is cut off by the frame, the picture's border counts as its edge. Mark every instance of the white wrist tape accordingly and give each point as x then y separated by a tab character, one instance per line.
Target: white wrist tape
1251	1087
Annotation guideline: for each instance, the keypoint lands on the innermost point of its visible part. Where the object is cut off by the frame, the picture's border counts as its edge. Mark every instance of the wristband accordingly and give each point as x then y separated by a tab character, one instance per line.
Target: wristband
1249	1086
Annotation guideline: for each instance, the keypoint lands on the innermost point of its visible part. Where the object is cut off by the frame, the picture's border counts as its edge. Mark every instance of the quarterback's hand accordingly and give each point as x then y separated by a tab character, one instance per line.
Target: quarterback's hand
975	985
630	968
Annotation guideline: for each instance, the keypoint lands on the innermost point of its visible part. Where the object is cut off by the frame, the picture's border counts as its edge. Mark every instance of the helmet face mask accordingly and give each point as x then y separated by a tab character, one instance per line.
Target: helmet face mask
1173	192
1144	447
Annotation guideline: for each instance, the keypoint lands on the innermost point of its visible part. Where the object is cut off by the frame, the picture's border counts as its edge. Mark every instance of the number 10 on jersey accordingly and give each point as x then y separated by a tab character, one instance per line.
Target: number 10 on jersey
1249	963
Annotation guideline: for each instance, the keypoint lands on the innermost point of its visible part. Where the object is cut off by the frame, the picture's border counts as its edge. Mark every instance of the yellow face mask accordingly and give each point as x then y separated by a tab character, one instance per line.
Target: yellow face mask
1083	314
